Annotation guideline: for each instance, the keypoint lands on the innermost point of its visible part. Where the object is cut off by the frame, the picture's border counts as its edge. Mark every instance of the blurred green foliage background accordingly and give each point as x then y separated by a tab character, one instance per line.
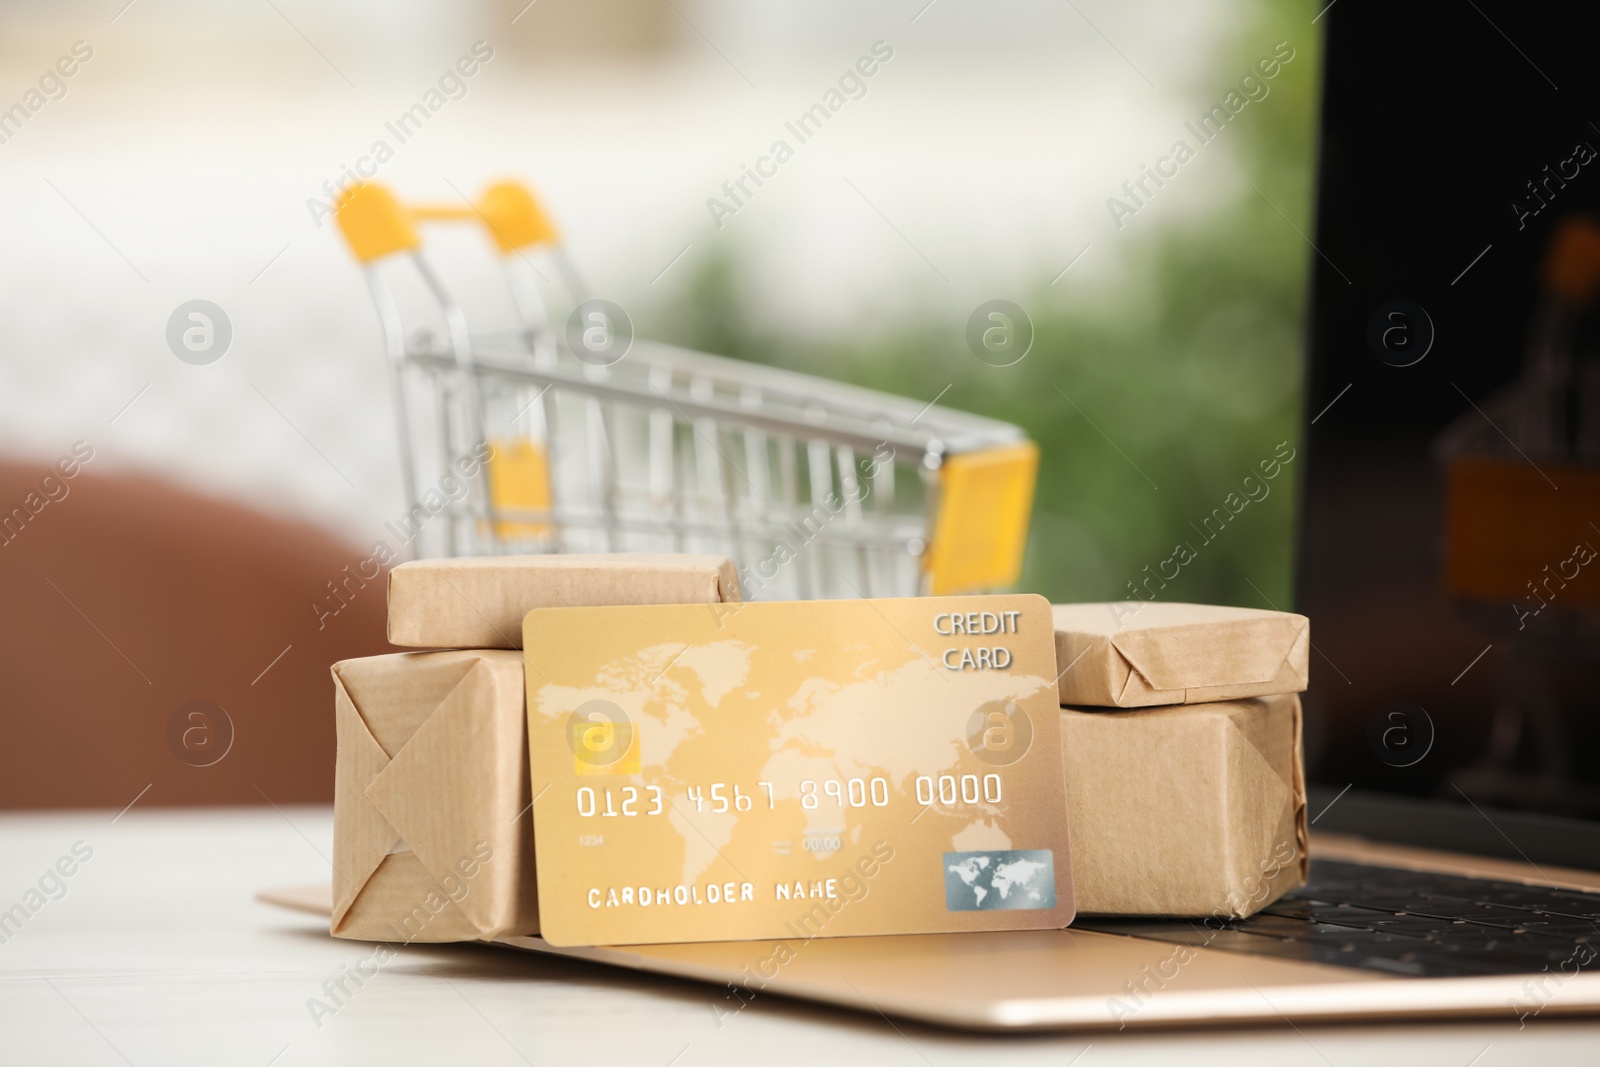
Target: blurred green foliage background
1193	371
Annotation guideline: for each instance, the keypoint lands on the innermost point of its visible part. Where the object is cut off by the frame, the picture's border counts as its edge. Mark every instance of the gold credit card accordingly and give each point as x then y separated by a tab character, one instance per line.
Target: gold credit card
782	771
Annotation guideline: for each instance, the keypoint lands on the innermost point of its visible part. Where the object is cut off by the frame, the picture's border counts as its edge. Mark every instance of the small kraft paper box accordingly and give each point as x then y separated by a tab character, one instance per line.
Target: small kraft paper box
479	602
1189	811
432	839
1133	654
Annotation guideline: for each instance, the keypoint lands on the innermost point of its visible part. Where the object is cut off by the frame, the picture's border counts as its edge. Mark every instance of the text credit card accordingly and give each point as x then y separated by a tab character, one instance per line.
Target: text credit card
783	771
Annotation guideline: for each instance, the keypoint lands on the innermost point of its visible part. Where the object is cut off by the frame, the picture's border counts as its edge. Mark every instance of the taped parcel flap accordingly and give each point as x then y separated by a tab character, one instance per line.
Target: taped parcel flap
1132	654
432	839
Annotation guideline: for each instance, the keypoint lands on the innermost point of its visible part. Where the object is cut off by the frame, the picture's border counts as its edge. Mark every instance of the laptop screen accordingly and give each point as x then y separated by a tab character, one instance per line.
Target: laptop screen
1450	542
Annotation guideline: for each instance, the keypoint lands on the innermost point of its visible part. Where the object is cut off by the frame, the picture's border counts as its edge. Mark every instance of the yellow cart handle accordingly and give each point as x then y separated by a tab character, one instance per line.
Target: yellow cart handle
376	224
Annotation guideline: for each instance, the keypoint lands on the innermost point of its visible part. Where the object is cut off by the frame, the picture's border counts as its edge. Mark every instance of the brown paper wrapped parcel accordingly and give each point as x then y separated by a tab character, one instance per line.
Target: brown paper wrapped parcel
479	601
1132	654
431	839
1187	810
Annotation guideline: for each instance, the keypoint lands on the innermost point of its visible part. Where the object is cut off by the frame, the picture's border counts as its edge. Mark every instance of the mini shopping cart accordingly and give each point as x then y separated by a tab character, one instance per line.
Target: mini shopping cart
568	435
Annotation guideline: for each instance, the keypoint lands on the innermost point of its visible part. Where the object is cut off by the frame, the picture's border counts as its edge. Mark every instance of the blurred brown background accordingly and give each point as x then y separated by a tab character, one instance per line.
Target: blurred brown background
127	599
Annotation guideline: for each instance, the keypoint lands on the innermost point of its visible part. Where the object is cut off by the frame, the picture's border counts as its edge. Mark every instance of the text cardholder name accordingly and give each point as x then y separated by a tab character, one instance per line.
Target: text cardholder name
773	771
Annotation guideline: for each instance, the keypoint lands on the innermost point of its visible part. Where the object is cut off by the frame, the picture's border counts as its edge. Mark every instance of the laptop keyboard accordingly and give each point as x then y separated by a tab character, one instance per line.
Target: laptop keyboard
1400	922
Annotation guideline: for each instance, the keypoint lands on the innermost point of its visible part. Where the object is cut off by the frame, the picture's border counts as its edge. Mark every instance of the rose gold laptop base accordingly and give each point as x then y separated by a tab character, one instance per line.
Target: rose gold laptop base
1079	980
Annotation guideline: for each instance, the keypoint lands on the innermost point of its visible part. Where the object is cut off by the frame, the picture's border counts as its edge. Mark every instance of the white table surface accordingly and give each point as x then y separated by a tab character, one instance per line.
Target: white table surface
157	954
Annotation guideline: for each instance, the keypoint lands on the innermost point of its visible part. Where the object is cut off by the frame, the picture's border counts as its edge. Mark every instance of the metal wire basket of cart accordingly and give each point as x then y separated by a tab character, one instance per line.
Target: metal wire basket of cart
564	433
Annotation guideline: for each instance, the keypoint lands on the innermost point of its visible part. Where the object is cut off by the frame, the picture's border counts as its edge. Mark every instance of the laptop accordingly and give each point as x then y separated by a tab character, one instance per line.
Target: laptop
1451	493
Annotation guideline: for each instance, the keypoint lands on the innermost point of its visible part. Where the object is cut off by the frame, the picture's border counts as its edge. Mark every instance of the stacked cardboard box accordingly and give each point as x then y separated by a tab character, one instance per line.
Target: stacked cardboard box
1181	735
433	822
